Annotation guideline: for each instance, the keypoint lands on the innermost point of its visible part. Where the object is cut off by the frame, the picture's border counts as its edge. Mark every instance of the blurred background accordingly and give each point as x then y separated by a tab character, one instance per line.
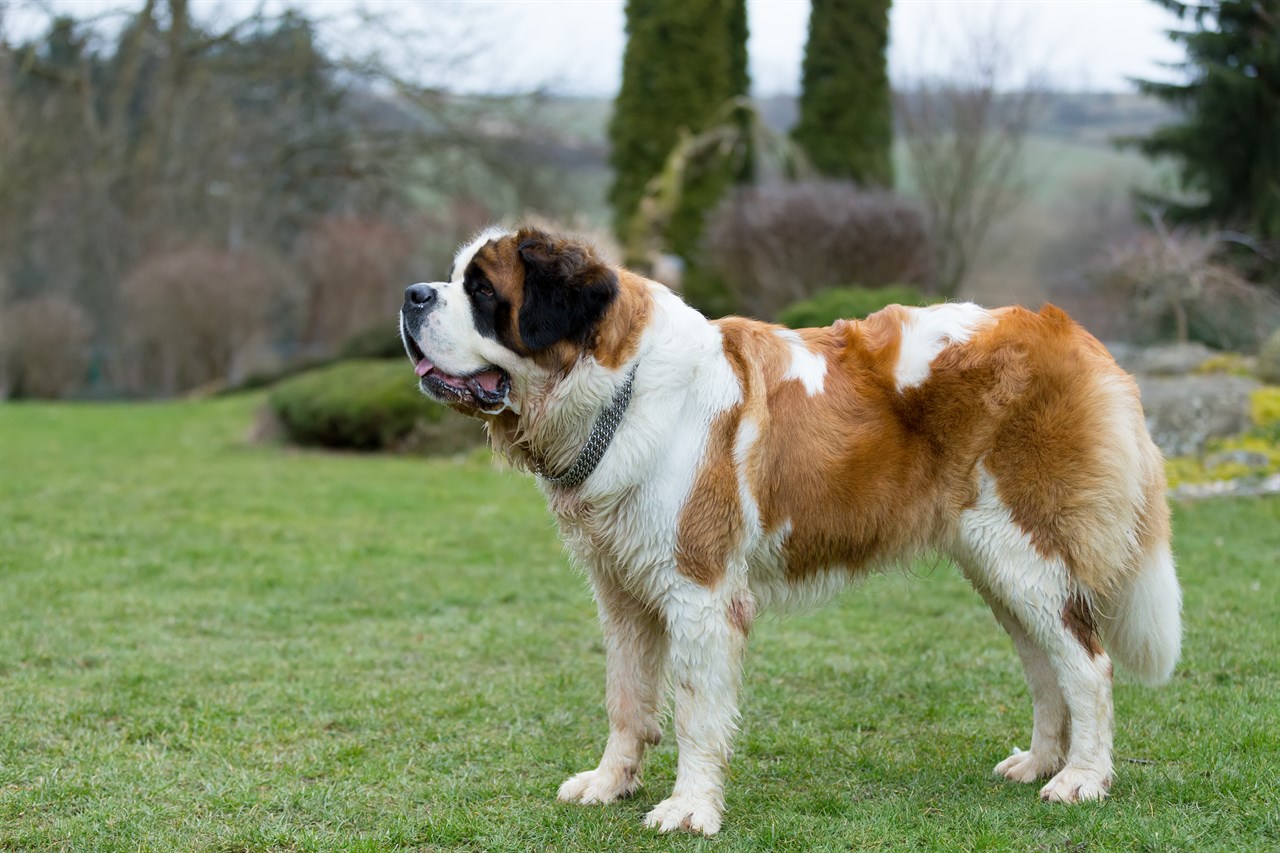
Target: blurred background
201	196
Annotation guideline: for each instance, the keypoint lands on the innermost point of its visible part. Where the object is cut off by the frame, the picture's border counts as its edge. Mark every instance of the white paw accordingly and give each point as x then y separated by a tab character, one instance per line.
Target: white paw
599	786
1076	784
1027	766
682	811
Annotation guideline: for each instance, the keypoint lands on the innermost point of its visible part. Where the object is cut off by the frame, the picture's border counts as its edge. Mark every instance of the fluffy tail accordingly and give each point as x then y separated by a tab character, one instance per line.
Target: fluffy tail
1141	622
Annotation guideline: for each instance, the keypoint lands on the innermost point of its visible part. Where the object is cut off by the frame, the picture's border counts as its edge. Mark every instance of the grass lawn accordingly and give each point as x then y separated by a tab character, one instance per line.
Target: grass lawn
206	645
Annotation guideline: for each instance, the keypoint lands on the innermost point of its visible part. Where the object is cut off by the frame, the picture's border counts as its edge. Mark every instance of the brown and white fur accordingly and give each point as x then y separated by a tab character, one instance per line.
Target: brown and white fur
758	466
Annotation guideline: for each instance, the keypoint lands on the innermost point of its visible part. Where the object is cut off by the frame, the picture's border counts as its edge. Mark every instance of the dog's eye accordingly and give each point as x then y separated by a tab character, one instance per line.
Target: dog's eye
482	288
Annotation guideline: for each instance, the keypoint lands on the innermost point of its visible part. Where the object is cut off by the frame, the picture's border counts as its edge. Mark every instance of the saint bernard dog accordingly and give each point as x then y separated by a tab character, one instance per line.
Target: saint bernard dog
702	470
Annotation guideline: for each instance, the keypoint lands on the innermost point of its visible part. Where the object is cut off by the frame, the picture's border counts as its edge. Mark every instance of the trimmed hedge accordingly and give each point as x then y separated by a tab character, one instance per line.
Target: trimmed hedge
848	303
367	404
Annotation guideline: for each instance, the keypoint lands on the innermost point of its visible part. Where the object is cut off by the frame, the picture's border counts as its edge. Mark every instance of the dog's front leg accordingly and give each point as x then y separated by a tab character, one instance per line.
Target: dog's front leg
635	654
708	631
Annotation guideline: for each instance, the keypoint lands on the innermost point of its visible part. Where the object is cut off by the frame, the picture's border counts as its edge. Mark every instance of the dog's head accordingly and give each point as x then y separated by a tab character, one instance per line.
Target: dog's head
518	306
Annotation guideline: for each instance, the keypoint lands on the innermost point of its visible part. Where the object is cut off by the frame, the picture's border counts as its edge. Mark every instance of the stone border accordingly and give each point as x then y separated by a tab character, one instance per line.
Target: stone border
1243	487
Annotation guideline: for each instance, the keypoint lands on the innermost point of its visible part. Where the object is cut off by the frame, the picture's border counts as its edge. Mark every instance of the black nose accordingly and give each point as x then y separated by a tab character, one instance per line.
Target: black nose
419	296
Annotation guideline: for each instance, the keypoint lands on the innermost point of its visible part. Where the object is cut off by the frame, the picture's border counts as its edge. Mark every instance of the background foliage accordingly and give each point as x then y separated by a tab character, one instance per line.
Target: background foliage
238	156
683	60
1227	145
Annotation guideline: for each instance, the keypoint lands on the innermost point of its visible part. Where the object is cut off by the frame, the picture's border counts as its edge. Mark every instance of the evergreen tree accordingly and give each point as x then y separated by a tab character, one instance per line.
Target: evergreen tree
1228	144
739	76
846	114
684	59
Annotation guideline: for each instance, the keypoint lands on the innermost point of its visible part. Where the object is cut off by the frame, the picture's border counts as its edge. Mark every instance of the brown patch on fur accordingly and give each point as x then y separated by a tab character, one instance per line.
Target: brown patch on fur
618	336
501	265
844	467
711	523
1154	527
1061	450
1077	617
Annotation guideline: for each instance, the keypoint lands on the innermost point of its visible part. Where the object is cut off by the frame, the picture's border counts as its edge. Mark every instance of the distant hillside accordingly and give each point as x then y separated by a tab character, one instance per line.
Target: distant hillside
1084	117
1071	143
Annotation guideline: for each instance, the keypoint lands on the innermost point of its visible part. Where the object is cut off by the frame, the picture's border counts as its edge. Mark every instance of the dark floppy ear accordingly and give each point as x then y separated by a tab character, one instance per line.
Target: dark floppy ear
567	289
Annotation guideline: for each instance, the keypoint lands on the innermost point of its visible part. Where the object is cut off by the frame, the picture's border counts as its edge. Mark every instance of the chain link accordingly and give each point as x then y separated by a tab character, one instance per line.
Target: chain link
597	443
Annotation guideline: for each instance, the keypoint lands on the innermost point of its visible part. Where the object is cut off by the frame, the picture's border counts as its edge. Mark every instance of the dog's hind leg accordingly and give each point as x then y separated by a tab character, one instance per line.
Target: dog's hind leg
1051	721
1055	616
635	655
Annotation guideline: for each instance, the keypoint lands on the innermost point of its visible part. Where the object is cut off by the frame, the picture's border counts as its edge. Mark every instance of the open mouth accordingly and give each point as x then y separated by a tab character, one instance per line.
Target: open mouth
485	389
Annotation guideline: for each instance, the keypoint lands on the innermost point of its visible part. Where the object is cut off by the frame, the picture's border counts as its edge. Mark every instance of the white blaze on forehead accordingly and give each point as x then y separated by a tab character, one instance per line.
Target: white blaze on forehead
808	367
467	252
928	331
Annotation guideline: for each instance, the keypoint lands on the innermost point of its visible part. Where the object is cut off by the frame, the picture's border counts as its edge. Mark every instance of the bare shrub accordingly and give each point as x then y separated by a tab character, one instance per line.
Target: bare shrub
964	131
44	347
191	313
1175	285
779	243
354	272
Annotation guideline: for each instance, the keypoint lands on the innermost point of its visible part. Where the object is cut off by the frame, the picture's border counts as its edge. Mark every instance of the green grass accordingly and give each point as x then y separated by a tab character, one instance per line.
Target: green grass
206	645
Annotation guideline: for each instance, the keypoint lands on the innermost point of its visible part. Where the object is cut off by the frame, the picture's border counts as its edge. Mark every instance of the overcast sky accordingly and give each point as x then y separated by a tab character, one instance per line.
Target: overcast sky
575	46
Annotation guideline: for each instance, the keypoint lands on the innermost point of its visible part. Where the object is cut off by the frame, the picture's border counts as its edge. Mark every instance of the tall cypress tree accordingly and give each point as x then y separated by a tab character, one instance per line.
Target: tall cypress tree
1228	144
846	113
736	31
682	62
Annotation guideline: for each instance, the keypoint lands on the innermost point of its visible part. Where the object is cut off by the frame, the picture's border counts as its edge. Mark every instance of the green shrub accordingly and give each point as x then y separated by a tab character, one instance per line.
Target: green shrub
847	303
367	404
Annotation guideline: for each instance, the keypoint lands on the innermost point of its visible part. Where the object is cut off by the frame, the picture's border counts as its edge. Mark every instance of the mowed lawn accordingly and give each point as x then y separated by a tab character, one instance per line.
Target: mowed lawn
210	645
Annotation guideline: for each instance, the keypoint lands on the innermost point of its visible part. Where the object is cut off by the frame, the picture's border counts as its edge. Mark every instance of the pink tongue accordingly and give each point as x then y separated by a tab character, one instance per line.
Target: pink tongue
488	380
423	367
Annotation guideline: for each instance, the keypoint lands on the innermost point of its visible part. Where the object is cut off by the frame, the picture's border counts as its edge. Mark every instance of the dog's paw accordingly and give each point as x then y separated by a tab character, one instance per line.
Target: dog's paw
599	786
1027	766
682	811
1076	784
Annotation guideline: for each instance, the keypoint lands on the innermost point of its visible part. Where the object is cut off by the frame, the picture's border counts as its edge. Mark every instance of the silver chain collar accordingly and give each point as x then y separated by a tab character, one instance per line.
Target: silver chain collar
597	443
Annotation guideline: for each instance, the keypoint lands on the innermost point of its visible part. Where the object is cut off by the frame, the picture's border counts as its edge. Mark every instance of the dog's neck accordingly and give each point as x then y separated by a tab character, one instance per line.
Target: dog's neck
558	417
597	444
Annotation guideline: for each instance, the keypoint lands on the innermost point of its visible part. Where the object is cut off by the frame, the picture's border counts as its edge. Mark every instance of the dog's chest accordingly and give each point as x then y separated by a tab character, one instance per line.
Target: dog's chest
627	537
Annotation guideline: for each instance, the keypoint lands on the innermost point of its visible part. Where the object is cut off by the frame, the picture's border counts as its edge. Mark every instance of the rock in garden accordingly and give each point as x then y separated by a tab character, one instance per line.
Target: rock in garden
1164	360
1184	412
